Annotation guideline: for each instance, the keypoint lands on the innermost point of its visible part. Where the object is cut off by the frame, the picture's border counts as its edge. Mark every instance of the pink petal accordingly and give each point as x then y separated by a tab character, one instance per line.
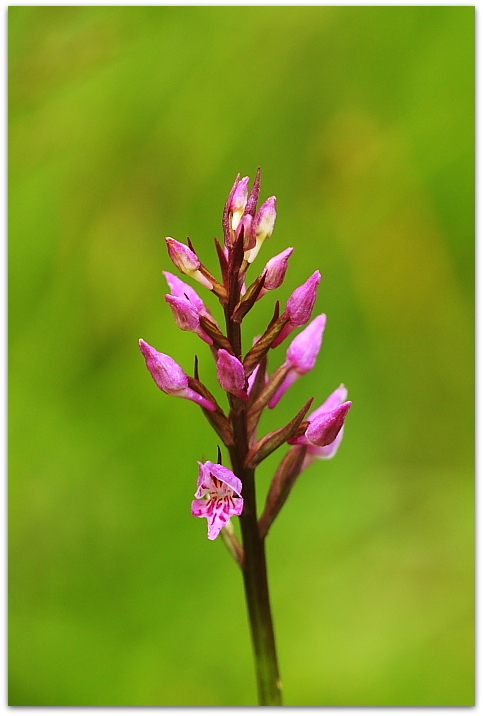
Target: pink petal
180	289
336	398
303	351
230	373
217	511
324	429
168	375
302	300
322	453
225	475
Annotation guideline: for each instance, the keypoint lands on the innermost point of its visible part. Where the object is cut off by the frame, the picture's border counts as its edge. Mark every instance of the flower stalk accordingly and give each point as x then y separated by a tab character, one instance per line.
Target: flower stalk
255	577
223	492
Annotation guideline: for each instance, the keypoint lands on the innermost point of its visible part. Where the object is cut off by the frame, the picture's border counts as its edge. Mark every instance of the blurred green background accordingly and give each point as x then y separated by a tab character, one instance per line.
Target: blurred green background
128	124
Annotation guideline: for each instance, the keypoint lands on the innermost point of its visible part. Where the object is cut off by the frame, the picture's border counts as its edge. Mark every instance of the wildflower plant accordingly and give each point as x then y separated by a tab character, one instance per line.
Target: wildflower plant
223	492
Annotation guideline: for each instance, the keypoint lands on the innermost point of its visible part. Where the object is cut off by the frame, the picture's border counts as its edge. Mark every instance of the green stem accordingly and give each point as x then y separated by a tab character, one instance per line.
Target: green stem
256	584
255	566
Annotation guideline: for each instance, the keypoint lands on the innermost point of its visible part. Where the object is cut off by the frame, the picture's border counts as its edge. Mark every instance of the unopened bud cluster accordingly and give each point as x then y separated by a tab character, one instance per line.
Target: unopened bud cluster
245	378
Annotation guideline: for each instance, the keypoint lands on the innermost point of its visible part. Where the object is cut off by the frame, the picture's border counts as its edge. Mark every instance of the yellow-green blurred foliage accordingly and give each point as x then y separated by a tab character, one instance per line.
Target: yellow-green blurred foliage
128	124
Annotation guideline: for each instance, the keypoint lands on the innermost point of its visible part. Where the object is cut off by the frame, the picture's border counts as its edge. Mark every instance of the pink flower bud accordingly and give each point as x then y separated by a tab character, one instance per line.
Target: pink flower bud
300	306
276	269
338	397
301	355
231	374
301	302
263	224
180	289
304	349
324	428
239	201
181	255
335	399
170	377
265	219
248	234
187	316
186	261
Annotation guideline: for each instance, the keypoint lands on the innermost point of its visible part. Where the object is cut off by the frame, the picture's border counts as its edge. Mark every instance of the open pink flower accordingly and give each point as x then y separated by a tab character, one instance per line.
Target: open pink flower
217	487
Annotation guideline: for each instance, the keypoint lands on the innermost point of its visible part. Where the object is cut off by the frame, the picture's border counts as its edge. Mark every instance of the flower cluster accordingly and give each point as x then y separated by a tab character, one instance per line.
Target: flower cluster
245	378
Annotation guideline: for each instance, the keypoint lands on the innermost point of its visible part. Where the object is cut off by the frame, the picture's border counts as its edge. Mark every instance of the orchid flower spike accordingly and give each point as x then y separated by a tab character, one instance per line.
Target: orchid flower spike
170	377
215	496
301	355
186	261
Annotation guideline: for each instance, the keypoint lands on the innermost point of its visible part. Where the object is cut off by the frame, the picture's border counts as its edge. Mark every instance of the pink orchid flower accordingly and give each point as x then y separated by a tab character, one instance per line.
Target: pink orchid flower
217	487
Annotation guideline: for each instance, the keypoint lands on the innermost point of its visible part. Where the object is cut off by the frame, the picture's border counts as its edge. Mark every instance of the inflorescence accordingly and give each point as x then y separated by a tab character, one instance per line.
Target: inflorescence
245	379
